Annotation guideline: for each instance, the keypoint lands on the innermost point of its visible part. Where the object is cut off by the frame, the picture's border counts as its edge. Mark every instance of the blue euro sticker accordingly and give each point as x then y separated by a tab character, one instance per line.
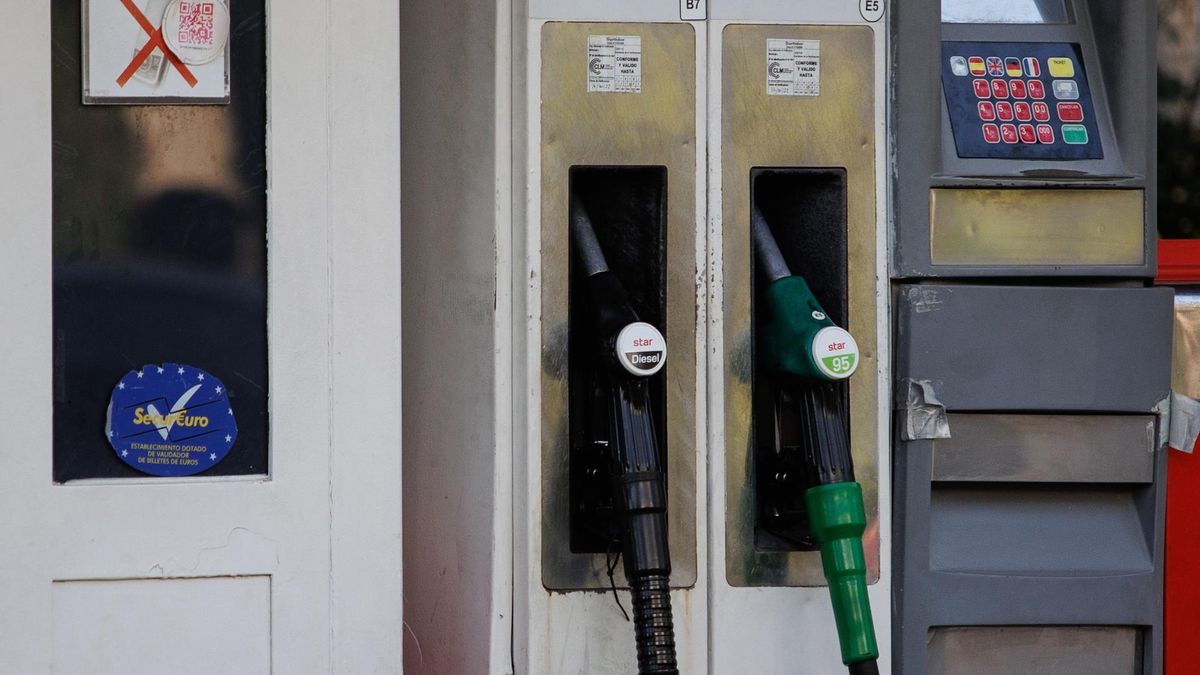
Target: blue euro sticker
170	420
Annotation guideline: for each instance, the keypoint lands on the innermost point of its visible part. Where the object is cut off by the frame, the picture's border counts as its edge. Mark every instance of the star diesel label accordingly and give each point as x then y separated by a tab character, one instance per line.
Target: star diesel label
641	349
170	420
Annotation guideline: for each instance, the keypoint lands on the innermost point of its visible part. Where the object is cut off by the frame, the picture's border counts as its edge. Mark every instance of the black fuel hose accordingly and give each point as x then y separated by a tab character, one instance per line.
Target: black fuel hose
639	483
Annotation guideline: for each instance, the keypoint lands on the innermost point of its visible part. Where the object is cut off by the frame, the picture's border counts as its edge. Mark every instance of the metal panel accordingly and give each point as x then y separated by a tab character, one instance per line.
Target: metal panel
1020	650
925	155
1037	530
1036	227
835	129
1047	448
1027	349
656	127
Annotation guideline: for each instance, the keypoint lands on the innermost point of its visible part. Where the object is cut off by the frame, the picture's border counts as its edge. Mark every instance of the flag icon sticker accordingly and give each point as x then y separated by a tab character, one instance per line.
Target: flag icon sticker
1012	66
1032	67
976	64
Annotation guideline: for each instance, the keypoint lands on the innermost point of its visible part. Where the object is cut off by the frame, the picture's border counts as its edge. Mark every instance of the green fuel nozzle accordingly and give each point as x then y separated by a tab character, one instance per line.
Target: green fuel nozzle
813	355
799	338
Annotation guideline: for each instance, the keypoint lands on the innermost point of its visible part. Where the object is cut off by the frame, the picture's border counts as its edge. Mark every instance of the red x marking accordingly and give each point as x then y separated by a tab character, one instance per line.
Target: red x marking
156	42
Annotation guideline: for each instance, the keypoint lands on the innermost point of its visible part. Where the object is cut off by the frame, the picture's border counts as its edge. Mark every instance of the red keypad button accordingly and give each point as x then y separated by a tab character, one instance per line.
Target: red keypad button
1037	89
1008	133
1041	111
1025	131
999	89
1021	110
987	111
1045	133
982	90
991	133
1070	112
1017	88
1004	111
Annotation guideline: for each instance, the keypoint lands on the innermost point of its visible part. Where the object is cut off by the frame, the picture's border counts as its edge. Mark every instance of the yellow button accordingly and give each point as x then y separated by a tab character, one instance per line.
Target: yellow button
1061	67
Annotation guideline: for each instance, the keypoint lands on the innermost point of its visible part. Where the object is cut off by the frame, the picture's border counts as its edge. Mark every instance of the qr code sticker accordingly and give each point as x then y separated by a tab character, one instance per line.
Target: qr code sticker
196	24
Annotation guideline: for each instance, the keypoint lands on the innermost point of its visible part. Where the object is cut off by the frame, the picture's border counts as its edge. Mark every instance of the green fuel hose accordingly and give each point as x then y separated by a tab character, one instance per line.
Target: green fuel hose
814	356
838	519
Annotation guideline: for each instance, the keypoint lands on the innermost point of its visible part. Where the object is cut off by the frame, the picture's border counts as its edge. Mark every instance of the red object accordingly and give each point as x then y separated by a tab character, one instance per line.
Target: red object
999	89
1041	111
1021	109
155	42
1045	134
1008	133
1070	112
991	133
1037	89
1027	134
987	111
981	88
1181	597
1004	110
1179	263
1017	87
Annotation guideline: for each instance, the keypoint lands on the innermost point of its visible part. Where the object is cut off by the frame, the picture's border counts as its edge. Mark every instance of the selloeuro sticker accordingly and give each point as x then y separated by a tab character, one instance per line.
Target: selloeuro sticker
170	420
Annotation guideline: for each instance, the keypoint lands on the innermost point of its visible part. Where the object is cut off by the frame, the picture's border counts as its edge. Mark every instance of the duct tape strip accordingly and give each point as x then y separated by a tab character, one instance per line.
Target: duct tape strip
924	415
1185	422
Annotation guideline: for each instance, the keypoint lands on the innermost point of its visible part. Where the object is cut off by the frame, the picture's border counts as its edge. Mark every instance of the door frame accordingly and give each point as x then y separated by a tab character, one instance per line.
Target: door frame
325	525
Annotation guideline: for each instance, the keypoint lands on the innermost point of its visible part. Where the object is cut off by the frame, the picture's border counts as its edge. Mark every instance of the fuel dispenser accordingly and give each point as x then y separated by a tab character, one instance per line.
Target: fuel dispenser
966	188
1032	359
613	275
619	448
798	513
601	176
809	357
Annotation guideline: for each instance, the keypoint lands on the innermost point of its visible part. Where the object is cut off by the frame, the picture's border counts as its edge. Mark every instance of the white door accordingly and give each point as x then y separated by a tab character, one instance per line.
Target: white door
295	569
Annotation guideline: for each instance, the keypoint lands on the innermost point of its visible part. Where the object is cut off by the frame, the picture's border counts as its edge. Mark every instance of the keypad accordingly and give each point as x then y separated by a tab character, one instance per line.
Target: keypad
1026	100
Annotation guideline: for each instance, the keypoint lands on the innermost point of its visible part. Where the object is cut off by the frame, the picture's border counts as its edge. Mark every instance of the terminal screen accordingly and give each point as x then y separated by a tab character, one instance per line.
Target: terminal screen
1004	11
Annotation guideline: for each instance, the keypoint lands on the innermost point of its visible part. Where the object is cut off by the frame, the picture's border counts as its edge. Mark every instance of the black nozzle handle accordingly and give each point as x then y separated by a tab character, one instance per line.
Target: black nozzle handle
587	247
770	258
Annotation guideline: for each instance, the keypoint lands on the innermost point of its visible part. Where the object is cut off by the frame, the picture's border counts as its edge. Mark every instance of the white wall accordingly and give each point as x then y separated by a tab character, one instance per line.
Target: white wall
448	67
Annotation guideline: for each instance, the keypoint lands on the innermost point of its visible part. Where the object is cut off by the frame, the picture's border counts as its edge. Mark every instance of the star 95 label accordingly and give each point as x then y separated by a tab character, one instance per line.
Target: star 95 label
835	352
641	349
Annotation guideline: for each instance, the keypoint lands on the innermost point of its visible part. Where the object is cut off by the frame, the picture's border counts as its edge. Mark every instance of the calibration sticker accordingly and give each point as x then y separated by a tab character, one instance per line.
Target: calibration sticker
614	64
793	67
170	420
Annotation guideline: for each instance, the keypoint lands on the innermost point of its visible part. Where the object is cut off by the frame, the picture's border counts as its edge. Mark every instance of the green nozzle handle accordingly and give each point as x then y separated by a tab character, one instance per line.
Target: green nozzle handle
799	338
838	519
